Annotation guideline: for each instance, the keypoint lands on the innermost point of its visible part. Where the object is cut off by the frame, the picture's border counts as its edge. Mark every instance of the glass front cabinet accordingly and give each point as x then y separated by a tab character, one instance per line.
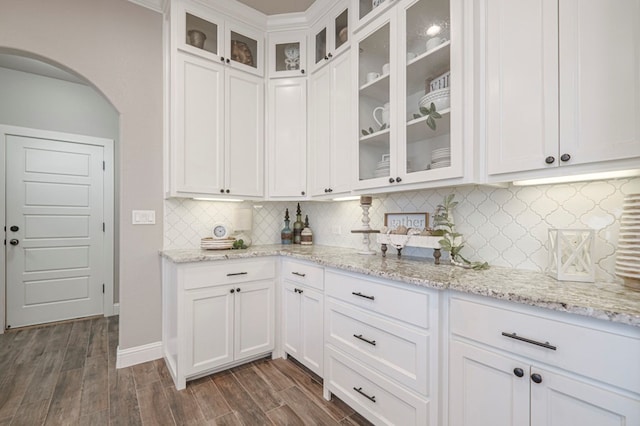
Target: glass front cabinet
329	37
287	54
409	96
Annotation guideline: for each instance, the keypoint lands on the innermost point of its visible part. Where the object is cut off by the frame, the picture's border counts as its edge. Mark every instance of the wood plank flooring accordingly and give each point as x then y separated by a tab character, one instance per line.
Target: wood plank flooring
64	374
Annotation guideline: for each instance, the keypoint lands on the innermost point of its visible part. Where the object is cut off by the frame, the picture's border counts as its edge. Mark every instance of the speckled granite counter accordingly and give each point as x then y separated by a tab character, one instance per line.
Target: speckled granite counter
607	301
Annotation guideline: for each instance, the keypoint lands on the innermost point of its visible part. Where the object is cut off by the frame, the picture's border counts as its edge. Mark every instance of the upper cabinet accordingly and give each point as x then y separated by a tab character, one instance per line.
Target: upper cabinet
561	92
287	54
410	97
224	40
329	36
367	10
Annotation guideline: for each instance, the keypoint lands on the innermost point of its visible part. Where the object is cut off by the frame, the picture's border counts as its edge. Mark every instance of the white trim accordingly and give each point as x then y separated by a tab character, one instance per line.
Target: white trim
138	354
155	5
116	309
108	206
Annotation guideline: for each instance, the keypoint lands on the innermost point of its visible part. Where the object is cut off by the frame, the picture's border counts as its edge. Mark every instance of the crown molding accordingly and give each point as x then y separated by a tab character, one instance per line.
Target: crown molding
155	5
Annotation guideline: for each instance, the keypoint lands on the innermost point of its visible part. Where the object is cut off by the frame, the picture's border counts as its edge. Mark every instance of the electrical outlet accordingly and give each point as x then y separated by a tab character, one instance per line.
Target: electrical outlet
143	217
336	230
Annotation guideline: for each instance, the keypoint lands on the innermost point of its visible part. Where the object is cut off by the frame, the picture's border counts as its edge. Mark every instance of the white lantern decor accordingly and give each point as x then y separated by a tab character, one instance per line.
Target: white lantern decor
571	254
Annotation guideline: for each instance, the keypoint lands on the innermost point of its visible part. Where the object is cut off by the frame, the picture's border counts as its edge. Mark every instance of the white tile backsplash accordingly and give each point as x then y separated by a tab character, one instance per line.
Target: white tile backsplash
503	226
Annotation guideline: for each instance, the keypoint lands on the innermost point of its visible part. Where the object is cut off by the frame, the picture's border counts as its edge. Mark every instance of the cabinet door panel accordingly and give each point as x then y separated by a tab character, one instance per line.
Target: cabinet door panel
198	137
254	319
560	400
287	137
484	389
311	318
320	132
342	126
291	319
599	80
210	313
244	134
521	54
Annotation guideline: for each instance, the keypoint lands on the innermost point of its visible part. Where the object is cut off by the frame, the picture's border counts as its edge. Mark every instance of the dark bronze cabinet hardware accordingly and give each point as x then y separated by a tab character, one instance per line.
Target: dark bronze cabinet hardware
550	159
565	157
363	295
359	390
299	274
359	336
233	274
519	372
536	378
533	342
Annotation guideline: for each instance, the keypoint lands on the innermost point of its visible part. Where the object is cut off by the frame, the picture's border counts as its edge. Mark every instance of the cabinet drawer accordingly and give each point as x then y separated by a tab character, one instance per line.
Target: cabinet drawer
207	274
372	395
303	273
604	355
411	306
399	351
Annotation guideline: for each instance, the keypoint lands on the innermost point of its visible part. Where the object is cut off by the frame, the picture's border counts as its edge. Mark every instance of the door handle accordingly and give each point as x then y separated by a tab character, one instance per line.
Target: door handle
14	242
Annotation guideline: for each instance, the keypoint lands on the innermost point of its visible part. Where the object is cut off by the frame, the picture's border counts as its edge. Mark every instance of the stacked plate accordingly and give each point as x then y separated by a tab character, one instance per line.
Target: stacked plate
383	167
628	254
211	244
440	158
440	98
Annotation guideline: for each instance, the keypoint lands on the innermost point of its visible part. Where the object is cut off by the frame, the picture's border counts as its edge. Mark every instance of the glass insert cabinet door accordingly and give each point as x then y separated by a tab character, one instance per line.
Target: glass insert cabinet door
331	37
202	34
427	82
375	106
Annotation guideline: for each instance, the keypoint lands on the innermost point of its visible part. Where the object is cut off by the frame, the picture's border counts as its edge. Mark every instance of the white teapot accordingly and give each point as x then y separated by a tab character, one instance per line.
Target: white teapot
384	115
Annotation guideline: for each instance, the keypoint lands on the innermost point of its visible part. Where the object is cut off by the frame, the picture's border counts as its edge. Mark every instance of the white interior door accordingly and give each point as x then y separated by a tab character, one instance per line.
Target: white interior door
54	230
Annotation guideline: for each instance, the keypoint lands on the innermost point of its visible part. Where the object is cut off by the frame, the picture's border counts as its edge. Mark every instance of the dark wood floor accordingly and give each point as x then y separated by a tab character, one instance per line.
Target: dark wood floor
65	374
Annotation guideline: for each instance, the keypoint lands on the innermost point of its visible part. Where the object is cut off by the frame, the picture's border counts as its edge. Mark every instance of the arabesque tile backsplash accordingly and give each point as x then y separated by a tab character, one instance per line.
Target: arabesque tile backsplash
503	226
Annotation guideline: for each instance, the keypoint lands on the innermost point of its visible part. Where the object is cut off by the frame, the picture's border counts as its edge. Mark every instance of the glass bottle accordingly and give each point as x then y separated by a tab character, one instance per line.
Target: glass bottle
306	236
287	234
297	226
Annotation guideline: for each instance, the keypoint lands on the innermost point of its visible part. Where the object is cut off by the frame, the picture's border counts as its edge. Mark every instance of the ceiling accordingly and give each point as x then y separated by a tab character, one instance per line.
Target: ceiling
276	7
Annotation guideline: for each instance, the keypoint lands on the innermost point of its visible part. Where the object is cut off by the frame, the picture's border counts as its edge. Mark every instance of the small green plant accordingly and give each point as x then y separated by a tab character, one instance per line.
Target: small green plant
431	115
452	240
239	244
370	131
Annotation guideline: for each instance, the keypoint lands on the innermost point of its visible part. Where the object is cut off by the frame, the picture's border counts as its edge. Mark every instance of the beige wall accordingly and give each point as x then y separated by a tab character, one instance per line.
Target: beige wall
117	46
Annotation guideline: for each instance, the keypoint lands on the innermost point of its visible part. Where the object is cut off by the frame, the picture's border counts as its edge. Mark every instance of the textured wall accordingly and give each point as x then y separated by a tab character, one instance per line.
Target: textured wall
503	226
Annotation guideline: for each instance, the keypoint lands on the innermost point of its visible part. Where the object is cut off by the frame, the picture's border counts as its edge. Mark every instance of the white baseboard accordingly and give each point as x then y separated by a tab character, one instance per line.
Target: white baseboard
116	309
138	354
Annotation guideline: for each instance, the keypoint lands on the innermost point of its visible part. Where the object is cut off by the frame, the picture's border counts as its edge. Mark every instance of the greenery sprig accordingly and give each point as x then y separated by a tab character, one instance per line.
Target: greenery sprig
431	115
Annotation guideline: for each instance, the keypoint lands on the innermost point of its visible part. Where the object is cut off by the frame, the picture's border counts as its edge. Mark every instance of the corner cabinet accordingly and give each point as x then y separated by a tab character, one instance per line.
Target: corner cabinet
522	366
216	315
216	106
546	106
407	60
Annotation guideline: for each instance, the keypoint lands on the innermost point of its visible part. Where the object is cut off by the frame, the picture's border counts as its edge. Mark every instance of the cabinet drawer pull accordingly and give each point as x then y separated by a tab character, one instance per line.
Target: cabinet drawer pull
359	390
533	342
363	295
359	336
237	273
297	290
299	274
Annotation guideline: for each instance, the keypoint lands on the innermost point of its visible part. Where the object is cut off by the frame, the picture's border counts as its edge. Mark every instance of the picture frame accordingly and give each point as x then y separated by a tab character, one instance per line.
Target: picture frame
418	220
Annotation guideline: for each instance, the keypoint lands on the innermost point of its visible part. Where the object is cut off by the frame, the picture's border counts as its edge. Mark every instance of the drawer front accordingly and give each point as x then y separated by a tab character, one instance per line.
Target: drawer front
396	350
598	354
205	274
303	273
404	304
372	395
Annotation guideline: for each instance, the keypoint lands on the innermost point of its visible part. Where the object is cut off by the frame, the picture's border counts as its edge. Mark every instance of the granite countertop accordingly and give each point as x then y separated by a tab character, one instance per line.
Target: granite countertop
607	301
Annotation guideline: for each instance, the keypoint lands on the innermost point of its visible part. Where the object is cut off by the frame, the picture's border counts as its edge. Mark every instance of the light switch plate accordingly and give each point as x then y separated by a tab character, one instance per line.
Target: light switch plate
143	217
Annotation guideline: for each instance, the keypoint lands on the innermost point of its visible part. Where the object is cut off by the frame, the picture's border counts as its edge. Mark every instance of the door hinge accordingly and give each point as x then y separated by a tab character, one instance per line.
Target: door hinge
102	288
103	166
103	227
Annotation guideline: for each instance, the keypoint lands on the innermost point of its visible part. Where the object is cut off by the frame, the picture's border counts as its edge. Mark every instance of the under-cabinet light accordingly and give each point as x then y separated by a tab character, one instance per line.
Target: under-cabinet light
578	178
347	198
227	200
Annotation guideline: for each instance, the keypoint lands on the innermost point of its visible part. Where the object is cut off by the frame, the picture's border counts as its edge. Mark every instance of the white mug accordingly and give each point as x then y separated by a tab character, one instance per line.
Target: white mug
434	42
372	76
385	69
384	116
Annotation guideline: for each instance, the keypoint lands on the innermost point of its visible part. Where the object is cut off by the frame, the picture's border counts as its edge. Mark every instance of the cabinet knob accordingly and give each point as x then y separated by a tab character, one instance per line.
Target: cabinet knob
519	372
326	58
565	157
398	179
330	55
227	191
14	228
391	180
302	193
14	242
228	60
222	58
302	71
232	291
550	159
238	289
536	378
330	190
222	191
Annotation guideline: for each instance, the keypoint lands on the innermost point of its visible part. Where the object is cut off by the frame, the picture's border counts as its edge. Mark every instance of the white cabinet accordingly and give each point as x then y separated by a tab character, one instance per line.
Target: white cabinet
329	36
286	144
556	92
381	353
407	59
216	315
522	366
330	128
287	54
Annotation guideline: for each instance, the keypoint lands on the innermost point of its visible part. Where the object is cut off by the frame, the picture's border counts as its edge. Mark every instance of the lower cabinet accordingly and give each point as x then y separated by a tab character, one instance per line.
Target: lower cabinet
544	372
216	315
302	314
381	348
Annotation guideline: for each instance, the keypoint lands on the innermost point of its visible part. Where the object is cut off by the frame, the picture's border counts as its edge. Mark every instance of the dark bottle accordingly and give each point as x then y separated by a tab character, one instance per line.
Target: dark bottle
286	235
297	226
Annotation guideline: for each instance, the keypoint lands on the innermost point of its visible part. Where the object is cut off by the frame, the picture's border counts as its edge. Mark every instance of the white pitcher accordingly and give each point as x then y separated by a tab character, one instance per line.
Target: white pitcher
385	114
